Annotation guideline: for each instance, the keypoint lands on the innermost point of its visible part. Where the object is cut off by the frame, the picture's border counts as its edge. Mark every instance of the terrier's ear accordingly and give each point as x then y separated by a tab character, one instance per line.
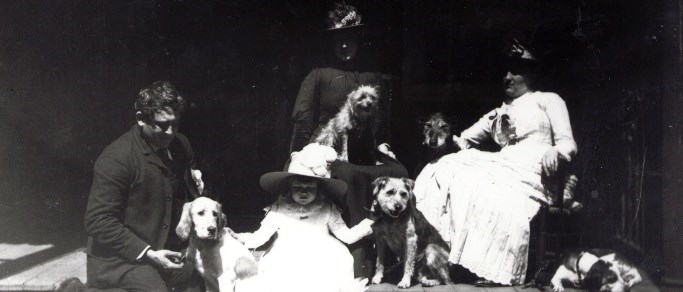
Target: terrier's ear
222	219
378	90
422	121
409	183
379	183
185	225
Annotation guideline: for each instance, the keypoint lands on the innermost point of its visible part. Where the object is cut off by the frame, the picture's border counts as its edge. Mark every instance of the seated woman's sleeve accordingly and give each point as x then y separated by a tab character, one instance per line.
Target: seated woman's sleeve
477	133
561	127
268	227
305	112
347	235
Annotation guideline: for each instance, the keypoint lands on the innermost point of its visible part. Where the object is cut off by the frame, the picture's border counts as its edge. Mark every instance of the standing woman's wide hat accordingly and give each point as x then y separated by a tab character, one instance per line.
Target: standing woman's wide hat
312	162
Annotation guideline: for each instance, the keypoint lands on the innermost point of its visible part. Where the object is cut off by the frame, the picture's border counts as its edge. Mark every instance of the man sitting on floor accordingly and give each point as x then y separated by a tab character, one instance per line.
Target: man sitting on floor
140	183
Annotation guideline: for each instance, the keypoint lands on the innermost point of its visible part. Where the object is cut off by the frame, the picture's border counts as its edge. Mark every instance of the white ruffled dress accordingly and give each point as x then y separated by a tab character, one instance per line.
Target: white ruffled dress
482	202
305	256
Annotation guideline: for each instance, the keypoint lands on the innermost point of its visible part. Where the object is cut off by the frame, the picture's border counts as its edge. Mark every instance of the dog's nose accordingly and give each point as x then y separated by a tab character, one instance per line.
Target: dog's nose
211	229
432	142
398	207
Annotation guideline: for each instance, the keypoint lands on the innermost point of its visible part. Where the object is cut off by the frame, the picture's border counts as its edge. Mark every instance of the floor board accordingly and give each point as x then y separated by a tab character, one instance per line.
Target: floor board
46	276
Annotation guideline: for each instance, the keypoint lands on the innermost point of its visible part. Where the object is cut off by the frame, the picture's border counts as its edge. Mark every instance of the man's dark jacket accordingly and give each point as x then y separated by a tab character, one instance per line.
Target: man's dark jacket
131	200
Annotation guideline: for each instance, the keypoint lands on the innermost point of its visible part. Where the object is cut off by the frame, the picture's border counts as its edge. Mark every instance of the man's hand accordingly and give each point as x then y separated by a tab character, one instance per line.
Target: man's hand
550	161
165	258
384	148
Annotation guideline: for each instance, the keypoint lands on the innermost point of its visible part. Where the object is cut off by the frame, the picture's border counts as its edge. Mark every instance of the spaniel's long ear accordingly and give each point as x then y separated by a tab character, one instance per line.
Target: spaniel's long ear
185	225
222	219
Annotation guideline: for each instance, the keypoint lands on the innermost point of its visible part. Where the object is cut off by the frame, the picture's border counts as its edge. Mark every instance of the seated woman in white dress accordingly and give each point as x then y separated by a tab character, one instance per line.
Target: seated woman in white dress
304	255
482	202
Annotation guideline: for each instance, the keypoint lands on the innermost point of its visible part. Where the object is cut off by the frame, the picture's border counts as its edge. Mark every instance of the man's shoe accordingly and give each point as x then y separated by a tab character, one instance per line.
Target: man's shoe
71	285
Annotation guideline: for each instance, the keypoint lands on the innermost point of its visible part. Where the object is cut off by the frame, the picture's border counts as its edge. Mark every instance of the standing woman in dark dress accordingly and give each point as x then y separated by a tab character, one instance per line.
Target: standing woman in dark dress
322	94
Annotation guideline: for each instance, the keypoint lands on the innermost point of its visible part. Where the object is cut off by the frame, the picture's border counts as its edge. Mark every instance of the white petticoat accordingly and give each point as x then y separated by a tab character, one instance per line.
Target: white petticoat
307	260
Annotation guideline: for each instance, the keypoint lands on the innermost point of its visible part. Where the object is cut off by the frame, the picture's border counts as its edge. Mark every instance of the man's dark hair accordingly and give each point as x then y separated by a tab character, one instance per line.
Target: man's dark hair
157	97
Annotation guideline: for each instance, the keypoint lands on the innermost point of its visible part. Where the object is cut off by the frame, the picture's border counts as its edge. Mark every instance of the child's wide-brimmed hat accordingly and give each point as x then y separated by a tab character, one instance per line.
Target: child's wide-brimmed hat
312	161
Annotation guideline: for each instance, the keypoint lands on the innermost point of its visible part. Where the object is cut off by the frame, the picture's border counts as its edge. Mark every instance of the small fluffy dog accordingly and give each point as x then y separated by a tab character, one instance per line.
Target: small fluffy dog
405	231
437	140
224	263
595	270
358	112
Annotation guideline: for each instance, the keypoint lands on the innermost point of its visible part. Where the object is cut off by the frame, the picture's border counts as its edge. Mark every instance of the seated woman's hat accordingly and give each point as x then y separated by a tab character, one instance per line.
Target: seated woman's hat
519	56
312	161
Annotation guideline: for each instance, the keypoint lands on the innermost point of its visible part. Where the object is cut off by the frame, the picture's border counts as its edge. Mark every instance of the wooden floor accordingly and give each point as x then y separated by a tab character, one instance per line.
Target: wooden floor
449	288
45	275
42	267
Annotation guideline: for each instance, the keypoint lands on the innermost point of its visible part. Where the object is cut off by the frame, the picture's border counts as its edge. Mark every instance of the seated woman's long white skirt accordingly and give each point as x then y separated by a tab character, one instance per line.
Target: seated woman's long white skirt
482	203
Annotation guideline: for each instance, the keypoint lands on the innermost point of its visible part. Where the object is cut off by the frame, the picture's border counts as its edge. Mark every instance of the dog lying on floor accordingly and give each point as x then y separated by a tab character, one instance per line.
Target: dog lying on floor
404	230
595	270
437	140
358	112
224	263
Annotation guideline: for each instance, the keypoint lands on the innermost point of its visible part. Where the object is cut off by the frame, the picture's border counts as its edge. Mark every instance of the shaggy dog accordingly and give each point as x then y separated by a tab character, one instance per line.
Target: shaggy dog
224	263
358	112
403	229
437	140
595	270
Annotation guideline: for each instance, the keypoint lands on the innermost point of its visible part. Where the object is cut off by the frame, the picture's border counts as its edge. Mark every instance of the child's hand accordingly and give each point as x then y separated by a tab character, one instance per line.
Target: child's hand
367	221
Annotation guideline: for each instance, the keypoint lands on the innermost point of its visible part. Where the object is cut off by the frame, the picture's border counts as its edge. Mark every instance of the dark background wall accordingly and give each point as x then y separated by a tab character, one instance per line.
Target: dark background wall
69	71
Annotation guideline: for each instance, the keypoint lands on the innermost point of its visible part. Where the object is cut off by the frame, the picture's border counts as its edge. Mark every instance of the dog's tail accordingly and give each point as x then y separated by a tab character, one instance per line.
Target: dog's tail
245	268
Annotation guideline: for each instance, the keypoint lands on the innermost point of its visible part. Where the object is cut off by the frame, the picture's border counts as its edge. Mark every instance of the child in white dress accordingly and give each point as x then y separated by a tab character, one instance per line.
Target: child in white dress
305	256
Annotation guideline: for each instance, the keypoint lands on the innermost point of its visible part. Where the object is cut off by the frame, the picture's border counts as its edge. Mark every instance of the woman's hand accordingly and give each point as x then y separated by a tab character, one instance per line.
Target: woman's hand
384	148
550	161
460	142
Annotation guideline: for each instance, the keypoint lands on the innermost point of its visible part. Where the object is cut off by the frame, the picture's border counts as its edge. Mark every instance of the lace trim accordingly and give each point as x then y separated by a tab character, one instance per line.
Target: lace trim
296	210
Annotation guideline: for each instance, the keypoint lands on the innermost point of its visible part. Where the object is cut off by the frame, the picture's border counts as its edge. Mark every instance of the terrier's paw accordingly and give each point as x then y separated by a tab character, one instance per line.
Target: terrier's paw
405	283
377	279
430	282
558	289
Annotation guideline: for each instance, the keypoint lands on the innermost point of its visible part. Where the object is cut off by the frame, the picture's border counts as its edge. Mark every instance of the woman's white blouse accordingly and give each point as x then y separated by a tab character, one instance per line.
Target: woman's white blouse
534	119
